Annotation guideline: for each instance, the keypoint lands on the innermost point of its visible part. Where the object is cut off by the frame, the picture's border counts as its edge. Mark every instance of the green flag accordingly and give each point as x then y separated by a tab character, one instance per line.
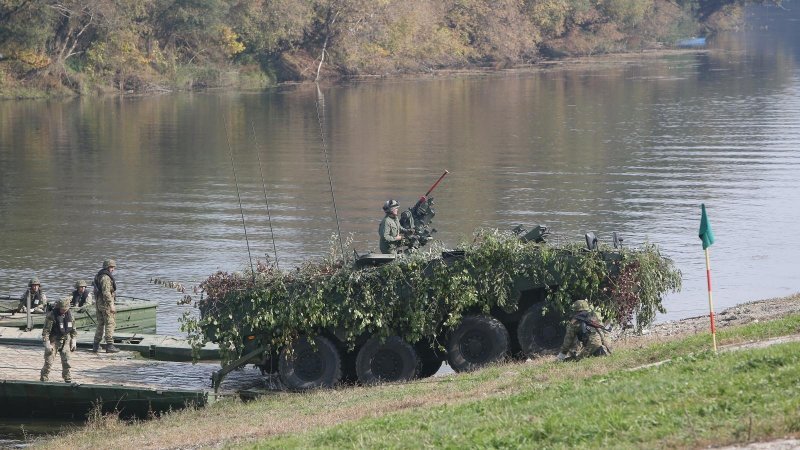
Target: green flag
706	235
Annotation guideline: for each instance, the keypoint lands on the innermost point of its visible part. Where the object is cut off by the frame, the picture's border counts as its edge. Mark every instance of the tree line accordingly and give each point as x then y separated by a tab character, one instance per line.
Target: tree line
88	46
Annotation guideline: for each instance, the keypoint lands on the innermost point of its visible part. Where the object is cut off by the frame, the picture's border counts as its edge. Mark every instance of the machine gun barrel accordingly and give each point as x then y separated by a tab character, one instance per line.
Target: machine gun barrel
437	183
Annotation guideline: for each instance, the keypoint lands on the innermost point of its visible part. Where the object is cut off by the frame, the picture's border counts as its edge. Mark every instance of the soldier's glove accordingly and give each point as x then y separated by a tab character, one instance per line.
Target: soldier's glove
72	346
112	309
562	356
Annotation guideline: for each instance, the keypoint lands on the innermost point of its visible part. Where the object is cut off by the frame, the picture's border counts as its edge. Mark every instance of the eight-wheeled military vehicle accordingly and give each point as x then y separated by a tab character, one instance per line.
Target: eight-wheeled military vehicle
397	317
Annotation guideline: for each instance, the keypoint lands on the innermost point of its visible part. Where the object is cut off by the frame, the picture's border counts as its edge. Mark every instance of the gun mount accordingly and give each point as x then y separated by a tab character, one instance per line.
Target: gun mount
418	220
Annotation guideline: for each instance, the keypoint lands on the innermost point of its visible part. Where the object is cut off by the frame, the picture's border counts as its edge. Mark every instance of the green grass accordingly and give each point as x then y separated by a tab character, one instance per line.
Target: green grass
689	402
695	399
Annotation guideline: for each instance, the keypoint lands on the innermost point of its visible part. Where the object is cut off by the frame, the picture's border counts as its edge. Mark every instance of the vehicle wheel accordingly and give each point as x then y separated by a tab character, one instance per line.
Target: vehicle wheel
477	341
310	367
537	333
390	359
430	361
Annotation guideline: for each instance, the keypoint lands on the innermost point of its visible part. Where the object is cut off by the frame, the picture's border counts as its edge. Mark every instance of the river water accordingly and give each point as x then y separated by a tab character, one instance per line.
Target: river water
632	145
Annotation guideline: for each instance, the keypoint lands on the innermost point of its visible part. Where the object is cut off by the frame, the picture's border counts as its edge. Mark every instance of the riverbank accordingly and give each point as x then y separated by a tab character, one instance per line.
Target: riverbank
694	399
152	49
593	62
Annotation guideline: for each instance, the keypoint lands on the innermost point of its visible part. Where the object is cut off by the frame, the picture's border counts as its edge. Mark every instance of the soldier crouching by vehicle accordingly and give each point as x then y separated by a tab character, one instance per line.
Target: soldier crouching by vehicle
33	298
585	327
60	336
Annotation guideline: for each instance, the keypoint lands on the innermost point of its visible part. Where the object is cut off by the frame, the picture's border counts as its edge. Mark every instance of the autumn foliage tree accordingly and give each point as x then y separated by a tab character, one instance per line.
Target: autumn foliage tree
70	45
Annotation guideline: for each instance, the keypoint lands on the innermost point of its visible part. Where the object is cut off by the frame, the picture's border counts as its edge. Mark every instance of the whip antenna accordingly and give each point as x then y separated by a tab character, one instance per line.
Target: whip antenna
320	119
266	200
241	209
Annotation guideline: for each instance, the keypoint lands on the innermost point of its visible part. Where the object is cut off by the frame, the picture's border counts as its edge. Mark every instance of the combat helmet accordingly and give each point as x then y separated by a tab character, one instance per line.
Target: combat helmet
580	305
389	204
64	303
33	281
109	263
80	283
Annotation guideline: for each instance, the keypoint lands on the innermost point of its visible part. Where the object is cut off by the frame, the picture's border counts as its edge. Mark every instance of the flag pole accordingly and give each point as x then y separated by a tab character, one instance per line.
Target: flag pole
710	302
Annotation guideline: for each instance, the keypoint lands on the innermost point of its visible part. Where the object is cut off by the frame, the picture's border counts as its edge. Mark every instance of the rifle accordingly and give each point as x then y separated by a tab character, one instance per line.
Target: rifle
585	321
417	219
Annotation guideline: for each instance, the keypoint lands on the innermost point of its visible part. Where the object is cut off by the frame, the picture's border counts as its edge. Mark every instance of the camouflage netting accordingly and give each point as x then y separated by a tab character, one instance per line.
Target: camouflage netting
423	295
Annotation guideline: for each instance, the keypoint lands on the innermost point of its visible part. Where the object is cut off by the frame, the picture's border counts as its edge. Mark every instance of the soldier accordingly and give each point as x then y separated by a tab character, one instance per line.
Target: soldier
389	231
60	336
81	295
35	295
585	327
105	289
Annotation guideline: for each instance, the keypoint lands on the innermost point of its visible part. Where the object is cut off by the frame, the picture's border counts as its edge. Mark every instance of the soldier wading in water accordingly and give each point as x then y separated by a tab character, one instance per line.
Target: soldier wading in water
60	336
587	328
105	289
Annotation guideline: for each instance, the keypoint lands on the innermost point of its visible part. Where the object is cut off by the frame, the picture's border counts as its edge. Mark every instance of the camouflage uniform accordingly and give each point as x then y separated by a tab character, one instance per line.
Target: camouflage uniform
37	299
105	288
580	330
79	298
59	335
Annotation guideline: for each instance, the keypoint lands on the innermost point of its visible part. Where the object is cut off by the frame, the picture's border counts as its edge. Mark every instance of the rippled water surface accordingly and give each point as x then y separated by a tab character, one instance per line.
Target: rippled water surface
631	145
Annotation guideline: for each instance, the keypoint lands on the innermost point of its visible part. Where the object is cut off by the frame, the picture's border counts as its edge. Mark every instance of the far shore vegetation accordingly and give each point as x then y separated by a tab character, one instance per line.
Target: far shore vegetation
77	47
653	392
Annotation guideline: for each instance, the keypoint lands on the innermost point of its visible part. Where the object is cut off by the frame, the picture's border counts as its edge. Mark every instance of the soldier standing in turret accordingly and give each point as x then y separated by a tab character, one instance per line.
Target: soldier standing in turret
389	231
80	296
585	327
105	288
59	335
35	295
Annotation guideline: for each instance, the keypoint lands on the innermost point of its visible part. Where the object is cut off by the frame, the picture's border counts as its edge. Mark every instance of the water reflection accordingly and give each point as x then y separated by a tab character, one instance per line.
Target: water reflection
632	146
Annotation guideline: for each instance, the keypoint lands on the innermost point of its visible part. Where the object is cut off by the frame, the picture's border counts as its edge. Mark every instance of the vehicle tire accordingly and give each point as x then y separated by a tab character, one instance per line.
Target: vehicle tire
430	360
477	341
538	333
309	367
389	359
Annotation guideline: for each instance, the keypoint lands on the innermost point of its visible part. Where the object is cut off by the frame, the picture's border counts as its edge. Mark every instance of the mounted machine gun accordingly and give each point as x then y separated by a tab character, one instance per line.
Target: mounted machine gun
418	219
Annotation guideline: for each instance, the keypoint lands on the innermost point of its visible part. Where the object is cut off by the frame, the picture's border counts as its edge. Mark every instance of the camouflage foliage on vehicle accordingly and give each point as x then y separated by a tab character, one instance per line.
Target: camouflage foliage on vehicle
422	295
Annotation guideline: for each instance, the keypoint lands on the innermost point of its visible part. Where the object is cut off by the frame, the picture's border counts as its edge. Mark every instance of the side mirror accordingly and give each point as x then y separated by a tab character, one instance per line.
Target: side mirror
591	241
617	240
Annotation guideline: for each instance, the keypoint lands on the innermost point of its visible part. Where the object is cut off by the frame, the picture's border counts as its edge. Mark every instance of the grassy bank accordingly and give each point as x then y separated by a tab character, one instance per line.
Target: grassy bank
695	399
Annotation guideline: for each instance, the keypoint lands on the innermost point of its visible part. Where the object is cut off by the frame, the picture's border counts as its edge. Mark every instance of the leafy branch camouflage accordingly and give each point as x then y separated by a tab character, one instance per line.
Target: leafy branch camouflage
424	295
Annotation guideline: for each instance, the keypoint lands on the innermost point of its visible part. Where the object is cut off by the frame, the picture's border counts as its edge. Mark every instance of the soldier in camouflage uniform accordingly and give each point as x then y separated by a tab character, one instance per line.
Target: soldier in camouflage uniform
59	336
35	295
389	231
585	327
81	296
105	288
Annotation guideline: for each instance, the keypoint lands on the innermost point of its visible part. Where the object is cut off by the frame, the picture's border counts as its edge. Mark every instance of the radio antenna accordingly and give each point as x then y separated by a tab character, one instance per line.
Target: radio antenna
321	120
266	200
238	196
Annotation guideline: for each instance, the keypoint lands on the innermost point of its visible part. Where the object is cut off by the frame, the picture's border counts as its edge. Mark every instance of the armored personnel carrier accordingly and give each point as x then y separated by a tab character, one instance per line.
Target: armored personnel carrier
373	318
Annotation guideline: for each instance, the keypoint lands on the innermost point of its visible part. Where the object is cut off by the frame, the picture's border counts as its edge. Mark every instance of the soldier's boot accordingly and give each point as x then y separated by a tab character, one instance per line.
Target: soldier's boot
44	376
111	349
96	347
67	376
